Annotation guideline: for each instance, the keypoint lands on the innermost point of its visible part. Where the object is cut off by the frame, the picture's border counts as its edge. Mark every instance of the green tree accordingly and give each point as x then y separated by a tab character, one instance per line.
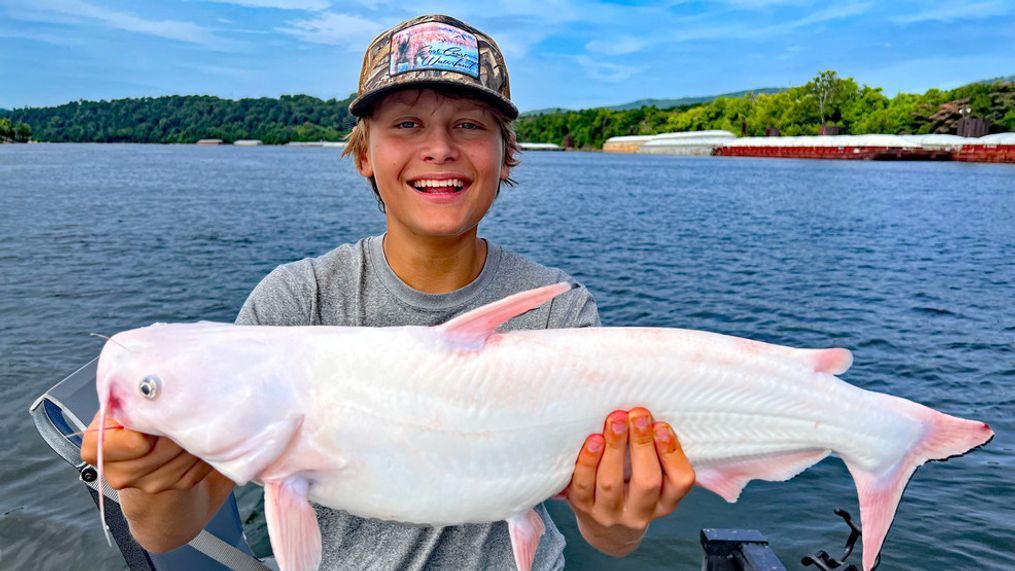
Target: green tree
827	90
22	133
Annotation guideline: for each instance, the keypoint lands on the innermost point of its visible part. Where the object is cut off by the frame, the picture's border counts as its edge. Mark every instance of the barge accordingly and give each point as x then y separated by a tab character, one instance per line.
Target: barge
998	148
848	147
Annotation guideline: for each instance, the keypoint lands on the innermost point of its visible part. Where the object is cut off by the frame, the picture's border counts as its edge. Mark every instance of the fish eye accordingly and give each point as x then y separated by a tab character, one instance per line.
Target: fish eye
149	387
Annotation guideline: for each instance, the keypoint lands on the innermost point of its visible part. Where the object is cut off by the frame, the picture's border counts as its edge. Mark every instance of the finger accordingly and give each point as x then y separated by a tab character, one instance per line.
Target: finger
127	473
646	473
167	476
127	444
678	474
610	475
197	472
119	444
181	471
581	492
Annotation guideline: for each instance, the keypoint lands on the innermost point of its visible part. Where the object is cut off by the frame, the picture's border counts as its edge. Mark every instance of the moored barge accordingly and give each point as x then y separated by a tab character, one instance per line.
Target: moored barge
998	148
849	147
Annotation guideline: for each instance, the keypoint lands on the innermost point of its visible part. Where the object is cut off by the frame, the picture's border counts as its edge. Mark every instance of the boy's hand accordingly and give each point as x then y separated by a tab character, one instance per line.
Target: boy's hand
613	513
135	460
167	494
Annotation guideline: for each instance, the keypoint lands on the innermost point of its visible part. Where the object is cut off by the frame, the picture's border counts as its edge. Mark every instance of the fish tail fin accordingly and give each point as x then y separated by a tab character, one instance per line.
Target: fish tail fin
879	492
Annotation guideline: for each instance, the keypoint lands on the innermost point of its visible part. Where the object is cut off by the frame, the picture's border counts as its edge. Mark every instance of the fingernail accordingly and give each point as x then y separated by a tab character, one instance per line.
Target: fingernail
594	445
618	426
662	433
641	423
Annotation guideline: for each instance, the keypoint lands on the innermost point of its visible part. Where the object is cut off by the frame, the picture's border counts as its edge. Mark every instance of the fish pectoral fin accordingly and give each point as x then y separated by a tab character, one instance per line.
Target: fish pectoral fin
525	530
728	478
292	524
472	329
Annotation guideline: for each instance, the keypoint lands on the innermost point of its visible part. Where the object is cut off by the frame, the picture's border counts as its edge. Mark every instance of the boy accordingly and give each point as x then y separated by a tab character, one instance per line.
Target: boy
434	139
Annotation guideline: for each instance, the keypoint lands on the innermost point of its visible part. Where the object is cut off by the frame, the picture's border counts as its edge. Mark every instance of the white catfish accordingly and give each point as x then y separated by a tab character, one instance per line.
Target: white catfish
459	424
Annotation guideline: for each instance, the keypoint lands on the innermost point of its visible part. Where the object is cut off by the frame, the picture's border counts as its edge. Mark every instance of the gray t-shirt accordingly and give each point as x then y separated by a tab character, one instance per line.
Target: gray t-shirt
353	285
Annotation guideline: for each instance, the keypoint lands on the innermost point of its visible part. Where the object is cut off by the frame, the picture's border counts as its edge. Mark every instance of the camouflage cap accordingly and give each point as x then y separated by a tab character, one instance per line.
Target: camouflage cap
435	51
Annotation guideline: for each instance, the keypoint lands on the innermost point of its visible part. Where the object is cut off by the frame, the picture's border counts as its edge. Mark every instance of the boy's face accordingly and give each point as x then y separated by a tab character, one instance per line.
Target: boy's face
437	161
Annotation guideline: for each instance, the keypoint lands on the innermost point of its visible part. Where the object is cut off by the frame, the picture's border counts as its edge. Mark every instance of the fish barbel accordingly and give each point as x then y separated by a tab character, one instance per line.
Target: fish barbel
459	424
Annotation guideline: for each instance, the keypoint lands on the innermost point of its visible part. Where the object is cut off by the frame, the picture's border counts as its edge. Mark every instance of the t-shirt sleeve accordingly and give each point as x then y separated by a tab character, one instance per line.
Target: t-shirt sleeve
587	312
576	308
285	297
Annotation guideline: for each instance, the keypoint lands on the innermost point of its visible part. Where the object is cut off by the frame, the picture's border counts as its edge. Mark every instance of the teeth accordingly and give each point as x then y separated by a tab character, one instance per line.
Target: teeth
431	183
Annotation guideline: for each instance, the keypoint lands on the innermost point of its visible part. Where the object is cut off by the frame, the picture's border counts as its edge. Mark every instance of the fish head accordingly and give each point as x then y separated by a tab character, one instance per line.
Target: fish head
214	389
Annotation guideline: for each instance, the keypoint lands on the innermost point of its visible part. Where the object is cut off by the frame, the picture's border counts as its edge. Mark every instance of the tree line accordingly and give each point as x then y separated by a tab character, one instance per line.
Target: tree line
10	133
828	99
825	100
189	118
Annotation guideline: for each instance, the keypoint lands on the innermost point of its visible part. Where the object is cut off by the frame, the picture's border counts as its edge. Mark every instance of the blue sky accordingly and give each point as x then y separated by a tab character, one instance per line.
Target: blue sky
560	53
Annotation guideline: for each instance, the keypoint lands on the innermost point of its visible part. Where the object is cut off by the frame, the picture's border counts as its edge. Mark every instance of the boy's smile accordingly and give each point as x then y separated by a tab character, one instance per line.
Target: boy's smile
437	162
441	185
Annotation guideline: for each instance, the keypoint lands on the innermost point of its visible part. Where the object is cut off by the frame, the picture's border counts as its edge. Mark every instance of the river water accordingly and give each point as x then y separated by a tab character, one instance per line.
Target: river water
910	265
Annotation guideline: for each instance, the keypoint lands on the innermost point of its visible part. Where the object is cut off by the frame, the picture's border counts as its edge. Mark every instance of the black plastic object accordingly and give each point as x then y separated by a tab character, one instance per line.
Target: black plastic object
737	550
825	562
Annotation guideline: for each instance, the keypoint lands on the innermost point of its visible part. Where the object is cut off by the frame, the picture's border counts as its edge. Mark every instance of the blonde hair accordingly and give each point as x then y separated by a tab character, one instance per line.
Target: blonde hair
357	140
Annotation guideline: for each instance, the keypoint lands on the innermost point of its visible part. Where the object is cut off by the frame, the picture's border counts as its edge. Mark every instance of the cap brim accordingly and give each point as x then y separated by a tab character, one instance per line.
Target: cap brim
363	105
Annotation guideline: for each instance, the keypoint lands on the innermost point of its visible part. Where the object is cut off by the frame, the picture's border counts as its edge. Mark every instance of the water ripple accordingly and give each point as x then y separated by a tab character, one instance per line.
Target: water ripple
911	266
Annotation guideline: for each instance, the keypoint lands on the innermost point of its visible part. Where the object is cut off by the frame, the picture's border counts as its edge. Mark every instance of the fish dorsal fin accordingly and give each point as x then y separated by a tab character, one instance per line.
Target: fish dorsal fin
473	328
832	361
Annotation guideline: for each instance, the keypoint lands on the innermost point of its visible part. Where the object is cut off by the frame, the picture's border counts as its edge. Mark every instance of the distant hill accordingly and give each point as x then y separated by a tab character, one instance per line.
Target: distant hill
546	111
1004	79
662	103
187	118
669	103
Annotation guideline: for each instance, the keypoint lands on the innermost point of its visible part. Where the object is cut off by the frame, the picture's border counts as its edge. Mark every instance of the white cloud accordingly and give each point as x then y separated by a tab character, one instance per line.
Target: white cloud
754	4
334	29
946	12
40	36
607	71
836	12
305	5
73	11
620	46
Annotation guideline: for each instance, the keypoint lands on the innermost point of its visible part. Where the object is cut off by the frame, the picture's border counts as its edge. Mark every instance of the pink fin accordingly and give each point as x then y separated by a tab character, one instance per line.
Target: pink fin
473	328
292	525
729	478
525	530
832	361
944	437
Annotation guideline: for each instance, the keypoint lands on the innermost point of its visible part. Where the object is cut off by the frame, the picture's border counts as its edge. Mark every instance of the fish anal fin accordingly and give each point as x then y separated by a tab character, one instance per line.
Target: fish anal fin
728	478
525	530
471	330
292	524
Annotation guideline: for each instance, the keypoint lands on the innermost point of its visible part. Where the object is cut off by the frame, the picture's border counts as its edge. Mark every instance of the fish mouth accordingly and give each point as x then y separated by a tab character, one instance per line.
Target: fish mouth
115	408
